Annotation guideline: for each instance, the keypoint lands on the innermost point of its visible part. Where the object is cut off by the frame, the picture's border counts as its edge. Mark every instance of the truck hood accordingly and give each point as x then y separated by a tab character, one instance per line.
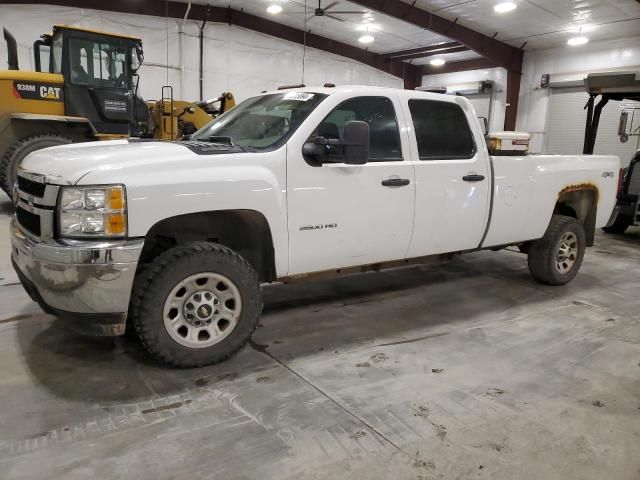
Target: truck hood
67	164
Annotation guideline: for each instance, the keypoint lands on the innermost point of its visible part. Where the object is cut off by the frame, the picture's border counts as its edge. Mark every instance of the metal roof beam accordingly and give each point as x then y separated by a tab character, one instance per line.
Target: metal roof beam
430	48
409	73
498	52
433	53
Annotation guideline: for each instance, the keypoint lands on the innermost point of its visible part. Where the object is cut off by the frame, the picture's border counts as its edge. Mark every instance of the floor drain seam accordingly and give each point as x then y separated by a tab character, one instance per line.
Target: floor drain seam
263	349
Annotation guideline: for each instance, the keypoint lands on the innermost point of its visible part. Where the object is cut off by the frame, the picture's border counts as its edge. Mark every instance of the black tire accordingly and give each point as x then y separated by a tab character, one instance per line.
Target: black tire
160	279
619	226
14	156
542	255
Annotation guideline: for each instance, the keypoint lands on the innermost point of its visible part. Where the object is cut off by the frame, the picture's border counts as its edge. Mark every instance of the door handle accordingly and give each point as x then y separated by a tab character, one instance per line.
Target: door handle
396	182
473	178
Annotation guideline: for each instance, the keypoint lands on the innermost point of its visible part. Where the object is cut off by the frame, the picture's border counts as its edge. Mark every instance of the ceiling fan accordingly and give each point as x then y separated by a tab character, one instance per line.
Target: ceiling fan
328	11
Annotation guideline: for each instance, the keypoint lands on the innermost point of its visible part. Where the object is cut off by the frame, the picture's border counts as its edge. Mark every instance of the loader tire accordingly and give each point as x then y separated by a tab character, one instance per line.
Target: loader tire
16	154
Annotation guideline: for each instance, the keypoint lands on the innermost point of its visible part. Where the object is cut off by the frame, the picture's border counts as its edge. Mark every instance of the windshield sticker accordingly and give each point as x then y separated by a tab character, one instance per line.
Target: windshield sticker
299	96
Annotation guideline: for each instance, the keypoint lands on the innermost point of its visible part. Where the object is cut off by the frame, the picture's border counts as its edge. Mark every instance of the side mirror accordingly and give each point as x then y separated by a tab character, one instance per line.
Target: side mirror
356	142
315	149
136	61
622	127
353	149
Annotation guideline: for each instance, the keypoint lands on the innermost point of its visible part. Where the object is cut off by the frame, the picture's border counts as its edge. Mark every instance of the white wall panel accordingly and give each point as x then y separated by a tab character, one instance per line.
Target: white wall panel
497	75
567	121
533	110
238	60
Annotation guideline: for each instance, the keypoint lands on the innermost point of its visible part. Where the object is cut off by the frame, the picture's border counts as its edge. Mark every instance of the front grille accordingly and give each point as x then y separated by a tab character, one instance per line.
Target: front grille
30	187
29	221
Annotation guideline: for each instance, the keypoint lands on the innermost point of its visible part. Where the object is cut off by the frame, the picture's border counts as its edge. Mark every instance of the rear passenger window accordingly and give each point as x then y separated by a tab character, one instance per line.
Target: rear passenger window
378	112
442	130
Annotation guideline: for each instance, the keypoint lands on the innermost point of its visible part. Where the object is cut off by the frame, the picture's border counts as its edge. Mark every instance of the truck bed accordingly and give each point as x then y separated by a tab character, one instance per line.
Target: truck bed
526	188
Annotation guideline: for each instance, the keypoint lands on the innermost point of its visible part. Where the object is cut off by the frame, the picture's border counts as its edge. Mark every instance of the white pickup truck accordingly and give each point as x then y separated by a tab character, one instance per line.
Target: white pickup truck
177	237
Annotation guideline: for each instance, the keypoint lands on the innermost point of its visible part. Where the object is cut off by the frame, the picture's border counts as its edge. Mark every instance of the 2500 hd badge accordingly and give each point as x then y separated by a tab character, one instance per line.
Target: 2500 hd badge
318	227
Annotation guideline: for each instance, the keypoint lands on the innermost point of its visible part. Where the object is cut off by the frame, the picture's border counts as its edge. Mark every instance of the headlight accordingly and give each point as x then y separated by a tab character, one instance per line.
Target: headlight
92	211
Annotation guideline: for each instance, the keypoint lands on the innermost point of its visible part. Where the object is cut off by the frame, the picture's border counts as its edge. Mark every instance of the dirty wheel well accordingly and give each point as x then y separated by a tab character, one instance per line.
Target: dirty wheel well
581	204
244	231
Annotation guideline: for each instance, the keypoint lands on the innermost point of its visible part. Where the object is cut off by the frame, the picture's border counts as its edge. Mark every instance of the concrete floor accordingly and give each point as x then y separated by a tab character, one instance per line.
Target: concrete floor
465	370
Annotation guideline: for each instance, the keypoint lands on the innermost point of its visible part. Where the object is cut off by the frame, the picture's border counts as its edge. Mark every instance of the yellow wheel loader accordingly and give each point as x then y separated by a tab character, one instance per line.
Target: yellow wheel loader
84	88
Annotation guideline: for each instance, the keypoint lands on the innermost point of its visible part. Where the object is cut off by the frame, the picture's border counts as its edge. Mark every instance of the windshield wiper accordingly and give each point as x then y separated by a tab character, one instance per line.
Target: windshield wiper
218	141
224	140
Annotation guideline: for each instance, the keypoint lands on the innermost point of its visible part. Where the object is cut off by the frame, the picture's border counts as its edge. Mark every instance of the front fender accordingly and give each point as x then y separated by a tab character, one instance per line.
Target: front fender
248	181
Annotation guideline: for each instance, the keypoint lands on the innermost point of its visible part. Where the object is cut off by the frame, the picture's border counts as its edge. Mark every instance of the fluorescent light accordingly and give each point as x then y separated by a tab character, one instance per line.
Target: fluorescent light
581	28
575	41
367	17
366	39
367	27
504	7
438	62
274	9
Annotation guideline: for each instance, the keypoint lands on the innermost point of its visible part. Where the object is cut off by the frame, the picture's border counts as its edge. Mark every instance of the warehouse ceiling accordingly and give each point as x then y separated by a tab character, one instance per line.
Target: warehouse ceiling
536	24
390	34
542	23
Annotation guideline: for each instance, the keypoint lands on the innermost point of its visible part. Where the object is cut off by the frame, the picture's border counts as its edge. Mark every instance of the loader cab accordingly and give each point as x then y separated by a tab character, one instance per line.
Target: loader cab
100	79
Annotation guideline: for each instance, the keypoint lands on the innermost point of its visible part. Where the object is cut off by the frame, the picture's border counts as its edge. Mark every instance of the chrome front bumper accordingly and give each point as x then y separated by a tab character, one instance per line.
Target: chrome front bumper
87	282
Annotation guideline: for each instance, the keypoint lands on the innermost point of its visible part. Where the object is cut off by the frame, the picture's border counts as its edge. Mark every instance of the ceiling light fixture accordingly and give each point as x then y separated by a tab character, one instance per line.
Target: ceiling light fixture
366	39
504	7
575	41
274	9
438	62
581	28
367	27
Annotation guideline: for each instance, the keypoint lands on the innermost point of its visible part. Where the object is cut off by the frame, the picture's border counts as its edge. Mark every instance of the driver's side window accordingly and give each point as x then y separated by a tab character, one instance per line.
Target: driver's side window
378	113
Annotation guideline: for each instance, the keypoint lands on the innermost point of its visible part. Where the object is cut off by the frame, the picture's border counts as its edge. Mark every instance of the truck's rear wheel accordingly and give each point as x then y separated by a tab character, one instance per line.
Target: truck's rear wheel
620	225
556	258
14	156
196	304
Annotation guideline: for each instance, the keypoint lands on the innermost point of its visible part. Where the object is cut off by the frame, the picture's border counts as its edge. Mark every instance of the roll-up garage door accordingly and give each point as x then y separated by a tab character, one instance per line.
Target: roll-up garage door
566	122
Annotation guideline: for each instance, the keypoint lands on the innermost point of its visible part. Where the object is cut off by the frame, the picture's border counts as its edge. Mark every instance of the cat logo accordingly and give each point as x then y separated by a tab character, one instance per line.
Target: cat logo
50	93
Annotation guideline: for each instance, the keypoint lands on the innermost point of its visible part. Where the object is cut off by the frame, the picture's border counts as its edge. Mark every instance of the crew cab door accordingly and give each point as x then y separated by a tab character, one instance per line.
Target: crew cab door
453	177
344	215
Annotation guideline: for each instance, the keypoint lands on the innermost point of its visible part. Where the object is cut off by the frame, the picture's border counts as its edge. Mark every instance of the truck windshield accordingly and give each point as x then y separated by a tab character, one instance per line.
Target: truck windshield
262	122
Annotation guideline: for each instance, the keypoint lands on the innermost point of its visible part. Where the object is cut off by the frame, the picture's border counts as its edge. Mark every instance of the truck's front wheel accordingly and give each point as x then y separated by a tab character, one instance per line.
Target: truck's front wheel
196	304
556	258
